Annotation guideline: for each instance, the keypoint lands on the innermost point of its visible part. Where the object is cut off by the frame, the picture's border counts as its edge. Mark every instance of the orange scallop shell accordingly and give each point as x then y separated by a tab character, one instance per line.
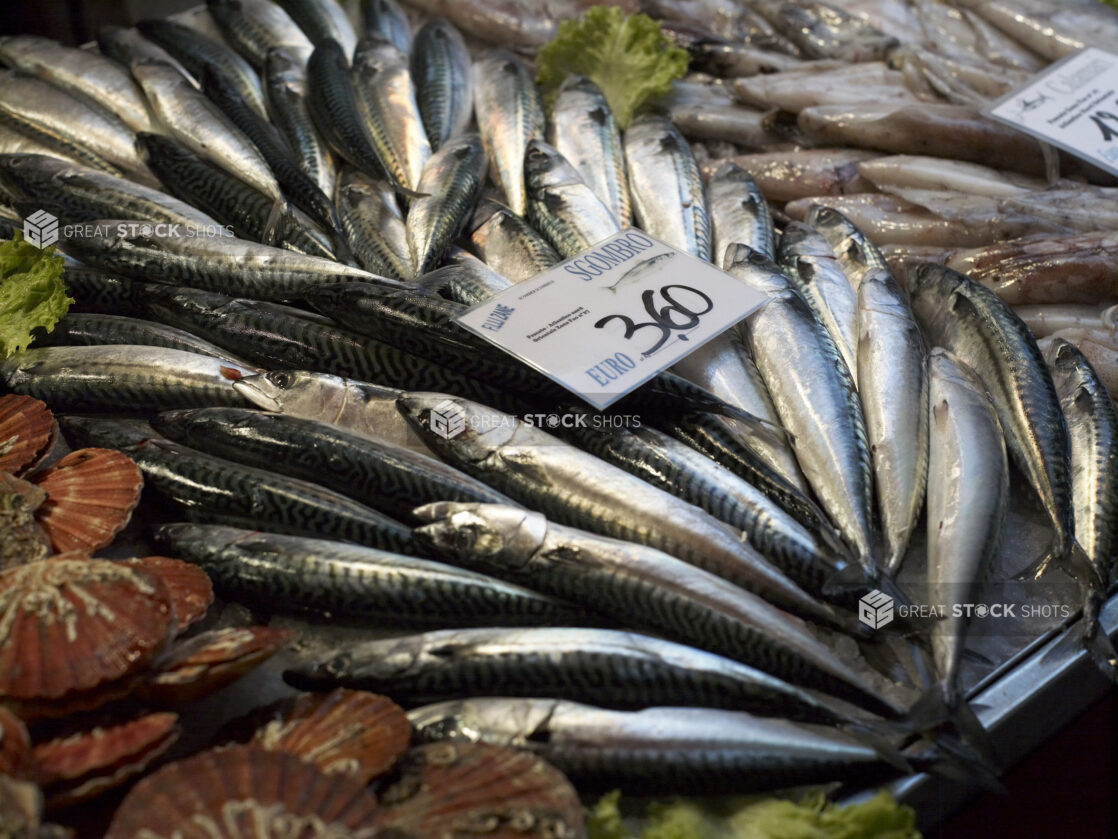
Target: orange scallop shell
71	624
468	789
91	494
15	745
347	731
189	586
242	792
210	661
27	429
81	767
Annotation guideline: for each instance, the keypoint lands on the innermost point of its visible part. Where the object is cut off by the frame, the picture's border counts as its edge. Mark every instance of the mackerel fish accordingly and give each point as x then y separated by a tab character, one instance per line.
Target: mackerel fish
374	225
322	20
386	19
507	243
739	213
285	86
440	68
351	582
451	181
253	27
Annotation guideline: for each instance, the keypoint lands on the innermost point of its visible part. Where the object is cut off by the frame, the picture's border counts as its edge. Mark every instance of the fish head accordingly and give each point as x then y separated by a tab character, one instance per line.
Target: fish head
755	269
368	663
931	292
493	534
22	172
299	392
460	429
281	67
545	166
376	54
492	720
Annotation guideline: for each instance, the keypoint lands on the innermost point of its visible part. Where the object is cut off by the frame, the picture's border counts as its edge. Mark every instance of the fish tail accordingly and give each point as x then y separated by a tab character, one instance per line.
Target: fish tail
939	707
957	761
1095	639
275	215
876	736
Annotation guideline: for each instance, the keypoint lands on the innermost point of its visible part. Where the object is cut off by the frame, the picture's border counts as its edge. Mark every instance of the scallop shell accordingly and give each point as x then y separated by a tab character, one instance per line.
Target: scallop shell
27	430
22	540
189	586
71	624
244	792
91	494
15	745
81	767
477	789
344	731
210	661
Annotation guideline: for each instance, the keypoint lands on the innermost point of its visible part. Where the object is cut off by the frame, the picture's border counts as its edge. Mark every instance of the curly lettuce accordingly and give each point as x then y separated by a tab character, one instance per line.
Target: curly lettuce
32	294
813	817
627	56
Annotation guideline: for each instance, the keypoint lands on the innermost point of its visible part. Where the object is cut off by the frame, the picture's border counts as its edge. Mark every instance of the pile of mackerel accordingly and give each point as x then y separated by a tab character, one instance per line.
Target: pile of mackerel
273	212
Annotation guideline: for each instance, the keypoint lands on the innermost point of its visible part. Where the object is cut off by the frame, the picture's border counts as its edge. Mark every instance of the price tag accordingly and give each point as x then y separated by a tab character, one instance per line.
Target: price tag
1073	104
606	321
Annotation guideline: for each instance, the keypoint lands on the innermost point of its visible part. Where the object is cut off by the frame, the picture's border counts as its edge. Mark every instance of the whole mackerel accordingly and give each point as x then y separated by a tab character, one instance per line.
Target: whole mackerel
667	188
465	279
388	20
583	130
285	86
386	97
576	488
815	399
560	203
392	479
612	668
1093	432
322	20
968	485
973	323
220	491
508	243
197	123
450	184
440	69
857	254
122	377
85	72
343	581
659	751
644	587
221	263
509	115
893	388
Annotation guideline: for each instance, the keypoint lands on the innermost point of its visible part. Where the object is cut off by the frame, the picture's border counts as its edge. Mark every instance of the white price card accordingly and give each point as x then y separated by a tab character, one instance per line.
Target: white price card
1073	104
606	321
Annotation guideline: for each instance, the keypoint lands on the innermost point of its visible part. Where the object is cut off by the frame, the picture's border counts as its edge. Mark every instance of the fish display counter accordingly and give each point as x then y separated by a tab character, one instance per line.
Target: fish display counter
306	527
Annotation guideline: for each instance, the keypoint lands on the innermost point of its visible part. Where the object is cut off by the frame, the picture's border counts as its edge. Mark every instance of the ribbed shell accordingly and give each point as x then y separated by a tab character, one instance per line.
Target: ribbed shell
210	661
70	624
91	494
189	586
452	789
83	766
27	429
244	792
15	745
344	731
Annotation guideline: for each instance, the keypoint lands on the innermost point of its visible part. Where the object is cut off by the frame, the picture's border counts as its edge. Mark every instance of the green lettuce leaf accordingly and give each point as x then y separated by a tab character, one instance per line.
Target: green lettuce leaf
627	56
32	293
812	817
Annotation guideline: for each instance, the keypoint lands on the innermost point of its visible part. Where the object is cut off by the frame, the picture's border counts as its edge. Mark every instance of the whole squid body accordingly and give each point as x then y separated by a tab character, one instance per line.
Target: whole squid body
1093	432
576	488
216	490
969	320
649	590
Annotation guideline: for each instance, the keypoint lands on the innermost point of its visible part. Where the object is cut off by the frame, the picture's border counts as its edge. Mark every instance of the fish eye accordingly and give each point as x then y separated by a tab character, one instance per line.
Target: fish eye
281	378
465	539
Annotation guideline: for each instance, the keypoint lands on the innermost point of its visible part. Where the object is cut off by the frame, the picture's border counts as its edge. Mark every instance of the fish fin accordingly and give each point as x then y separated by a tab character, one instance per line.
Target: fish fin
874	736
275	216
938	707
883	658
976	657
956	761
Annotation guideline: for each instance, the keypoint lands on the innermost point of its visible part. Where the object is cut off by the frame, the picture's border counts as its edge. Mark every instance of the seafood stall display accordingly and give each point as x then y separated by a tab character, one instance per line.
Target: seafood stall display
288	550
